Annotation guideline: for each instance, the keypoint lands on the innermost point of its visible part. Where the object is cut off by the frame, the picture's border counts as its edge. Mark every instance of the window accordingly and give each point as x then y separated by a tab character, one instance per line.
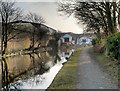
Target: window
83	40
66	39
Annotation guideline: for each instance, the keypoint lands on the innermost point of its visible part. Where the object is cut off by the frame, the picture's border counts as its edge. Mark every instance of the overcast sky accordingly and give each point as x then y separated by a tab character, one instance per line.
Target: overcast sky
48	10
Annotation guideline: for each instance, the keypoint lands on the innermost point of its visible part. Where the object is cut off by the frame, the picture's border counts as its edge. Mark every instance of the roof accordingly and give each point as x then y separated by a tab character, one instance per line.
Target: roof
75	36
46	28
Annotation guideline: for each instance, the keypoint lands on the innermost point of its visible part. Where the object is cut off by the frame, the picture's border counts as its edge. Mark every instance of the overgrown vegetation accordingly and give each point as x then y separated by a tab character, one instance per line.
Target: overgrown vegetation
110	46
102	18
94	41
113	46
65	79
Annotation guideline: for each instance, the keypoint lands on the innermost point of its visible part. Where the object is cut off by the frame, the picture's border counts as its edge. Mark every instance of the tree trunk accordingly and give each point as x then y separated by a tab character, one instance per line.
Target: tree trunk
114	16
119	20
105	23
2	38
109	18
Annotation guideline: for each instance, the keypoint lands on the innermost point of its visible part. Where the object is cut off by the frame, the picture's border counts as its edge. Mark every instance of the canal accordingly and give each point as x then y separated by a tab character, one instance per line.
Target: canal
34	70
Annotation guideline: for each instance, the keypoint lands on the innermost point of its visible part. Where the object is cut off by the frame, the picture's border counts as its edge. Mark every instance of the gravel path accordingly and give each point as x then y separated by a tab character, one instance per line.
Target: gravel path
90	75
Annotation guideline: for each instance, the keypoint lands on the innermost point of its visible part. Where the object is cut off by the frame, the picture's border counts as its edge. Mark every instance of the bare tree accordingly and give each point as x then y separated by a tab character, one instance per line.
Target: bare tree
8	13
98	16
118	5
33	17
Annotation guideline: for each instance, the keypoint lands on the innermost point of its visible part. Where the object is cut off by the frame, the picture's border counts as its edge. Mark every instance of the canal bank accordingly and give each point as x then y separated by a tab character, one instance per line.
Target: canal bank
65	79
82	71
39	81
36	70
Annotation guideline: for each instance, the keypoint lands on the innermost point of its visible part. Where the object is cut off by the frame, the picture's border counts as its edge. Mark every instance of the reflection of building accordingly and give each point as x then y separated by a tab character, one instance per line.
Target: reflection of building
66	53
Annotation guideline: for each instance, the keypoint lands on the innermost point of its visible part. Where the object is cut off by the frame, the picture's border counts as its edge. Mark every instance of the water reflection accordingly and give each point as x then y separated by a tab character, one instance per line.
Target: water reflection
66	53
4	74
22	67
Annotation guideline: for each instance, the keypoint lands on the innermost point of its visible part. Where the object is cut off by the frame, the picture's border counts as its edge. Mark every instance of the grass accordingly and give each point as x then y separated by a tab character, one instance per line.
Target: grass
65	79
110	66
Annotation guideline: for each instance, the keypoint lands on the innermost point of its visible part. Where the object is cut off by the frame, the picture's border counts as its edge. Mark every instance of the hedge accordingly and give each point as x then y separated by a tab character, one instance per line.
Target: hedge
95	41
113	46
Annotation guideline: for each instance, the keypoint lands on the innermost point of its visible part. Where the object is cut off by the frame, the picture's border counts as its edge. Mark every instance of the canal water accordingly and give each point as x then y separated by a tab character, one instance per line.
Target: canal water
33	70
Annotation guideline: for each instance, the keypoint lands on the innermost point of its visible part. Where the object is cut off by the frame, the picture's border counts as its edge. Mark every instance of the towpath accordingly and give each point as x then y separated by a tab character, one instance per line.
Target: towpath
91	75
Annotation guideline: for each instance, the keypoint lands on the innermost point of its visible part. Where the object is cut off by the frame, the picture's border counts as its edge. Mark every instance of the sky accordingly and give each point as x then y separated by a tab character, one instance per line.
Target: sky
48	10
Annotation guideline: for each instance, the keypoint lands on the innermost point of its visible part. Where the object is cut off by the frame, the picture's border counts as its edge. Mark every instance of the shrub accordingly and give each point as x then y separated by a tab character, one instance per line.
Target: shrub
94	41
113	46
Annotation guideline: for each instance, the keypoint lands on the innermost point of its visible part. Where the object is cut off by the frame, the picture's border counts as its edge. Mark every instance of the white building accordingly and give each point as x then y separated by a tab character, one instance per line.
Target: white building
77	39
66	39
84	40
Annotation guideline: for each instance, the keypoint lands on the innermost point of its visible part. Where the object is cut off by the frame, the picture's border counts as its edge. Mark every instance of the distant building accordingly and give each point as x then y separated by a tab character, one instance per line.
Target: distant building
85	39
66	39
25	34
76	39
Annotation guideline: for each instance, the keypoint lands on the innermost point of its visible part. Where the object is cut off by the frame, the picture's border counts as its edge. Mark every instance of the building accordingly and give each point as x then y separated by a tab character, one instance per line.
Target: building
76	39
66	39
27	35
85	39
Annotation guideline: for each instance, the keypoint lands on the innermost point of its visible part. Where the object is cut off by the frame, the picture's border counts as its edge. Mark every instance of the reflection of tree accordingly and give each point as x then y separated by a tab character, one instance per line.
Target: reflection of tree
7	78
8	13
37	67
37	63
15	30
4	73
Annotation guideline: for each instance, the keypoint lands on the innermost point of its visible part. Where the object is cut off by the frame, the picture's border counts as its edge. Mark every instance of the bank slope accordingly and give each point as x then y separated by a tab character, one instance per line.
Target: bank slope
65	79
